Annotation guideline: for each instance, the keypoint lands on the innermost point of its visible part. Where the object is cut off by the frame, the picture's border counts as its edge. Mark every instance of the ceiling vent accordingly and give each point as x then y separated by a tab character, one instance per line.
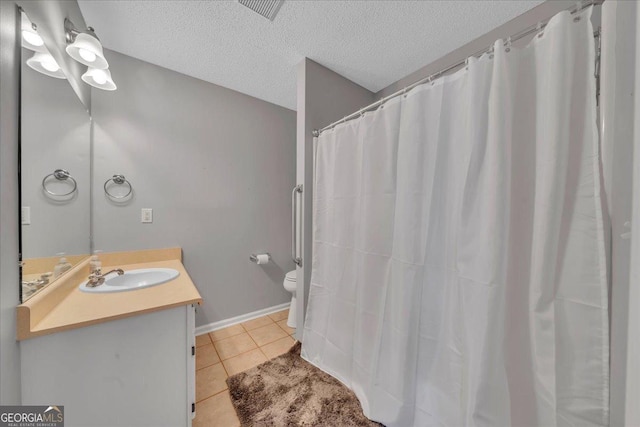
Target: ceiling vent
267	8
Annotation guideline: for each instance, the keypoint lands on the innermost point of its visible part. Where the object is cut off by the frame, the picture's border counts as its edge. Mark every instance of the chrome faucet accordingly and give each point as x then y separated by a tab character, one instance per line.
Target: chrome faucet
38	283
29	287
97	279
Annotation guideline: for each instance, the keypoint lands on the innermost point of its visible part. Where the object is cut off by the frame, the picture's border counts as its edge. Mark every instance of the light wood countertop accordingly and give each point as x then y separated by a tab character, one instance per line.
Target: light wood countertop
38	266
62	306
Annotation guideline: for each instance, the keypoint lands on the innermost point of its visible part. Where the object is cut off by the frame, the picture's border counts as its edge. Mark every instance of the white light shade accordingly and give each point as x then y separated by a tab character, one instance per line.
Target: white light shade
45	64
30	37
32	40
87	50
98	78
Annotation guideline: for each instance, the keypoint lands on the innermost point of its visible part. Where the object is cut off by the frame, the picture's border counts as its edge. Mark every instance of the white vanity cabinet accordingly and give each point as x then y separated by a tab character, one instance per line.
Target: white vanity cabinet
133	371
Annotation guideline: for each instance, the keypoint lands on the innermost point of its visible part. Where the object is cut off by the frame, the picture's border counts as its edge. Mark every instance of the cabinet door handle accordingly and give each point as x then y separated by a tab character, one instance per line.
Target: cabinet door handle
294	225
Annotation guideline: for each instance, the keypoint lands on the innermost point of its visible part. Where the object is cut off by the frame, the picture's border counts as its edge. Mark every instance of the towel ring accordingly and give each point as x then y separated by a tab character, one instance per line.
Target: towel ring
120	180
60	175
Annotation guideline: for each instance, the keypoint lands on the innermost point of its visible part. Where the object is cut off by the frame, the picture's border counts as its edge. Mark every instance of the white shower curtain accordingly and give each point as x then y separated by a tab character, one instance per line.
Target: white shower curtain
458	273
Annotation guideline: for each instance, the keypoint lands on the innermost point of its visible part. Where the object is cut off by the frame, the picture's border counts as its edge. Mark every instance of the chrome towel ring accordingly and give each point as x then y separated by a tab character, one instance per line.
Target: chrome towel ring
60	175
120	180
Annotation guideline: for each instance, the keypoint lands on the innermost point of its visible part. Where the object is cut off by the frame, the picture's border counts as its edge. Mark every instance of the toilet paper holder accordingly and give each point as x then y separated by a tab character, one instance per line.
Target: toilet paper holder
254	258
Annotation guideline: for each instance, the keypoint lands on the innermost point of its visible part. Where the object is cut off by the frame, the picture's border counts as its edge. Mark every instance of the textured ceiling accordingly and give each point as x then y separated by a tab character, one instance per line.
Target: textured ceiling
373	43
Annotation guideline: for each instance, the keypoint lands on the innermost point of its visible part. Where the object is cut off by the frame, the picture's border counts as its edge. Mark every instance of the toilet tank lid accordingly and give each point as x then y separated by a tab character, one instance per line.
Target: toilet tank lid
291	276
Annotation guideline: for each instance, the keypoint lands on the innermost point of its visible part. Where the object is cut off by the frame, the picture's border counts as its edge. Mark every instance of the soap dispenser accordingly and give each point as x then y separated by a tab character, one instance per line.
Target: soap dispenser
62	266
95	265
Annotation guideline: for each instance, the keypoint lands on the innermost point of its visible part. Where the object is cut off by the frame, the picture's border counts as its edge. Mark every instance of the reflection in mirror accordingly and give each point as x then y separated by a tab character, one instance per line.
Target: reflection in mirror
55	163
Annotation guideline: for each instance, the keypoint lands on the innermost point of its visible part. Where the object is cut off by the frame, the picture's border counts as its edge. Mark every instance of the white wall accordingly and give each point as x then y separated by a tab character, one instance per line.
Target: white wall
323	97
216	167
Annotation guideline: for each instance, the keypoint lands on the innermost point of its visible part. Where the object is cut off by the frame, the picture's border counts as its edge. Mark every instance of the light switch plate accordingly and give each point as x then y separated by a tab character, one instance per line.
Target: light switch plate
25	215
147	215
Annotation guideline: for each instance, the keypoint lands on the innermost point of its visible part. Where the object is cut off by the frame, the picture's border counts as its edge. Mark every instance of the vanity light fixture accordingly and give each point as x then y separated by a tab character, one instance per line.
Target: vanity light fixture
44	63
41	61
84	46
32	40
98	78
30	37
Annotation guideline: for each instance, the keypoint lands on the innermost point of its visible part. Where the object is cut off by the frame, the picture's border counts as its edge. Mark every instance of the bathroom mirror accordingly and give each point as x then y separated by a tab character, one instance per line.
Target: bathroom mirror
55	161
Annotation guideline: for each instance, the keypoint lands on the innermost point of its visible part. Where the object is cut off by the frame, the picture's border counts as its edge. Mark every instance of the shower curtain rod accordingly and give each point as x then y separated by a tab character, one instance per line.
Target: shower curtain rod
524	33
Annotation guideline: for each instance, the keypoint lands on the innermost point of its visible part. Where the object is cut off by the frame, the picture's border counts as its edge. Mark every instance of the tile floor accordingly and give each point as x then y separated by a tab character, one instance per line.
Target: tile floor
226	352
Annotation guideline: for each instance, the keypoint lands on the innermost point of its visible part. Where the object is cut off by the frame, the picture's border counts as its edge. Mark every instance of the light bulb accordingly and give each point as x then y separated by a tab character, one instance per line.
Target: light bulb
50	66
32	38
100	77
87	55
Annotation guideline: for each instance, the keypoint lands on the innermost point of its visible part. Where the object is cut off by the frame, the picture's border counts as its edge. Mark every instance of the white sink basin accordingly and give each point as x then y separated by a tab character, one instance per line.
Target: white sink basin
132	280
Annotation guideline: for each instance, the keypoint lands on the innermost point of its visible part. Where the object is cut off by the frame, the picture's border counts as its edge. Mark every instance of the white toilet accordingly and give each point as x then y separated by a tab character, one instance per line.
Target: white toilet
290	285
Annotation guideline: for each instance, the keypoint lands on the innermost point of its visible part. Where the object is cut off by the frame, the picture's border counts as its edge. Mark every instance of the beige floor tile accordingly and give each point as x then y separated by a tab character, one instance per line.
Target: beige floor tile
203	340
233	346
283	325
277	348
257	323
206	356
279	315
226	332
244	361
267	334
210	380
216	411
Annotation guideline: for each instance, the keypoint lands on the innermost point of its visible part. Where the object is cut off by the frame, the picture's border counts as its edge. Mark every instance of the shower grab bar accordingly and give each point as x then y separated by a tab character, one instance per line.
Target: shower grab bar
294	225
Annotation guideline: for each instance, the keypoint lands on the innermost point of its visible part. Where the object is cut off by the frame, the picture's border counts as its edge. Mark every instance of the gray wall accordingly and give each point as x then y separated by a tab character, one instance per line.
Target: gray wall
323	97
9	275
617	125
216	167
55	134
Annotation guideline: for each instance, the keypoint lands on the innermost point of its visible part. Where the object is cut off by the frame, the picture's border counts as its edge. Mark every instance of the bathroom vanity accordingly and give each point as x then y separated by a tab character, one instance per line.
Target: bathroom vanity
113	359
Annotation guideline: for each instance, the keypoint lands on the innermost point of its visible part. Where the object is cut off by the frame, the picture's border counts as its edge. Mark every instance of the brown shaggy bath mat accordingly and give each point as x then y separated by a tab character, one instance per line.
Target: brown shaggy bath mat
289	391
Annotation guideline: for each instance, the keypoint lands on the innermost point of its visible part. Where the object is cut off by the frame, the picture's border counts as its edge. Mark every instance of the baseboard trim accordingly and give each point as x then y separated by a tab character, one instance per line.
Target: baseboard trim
210	327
